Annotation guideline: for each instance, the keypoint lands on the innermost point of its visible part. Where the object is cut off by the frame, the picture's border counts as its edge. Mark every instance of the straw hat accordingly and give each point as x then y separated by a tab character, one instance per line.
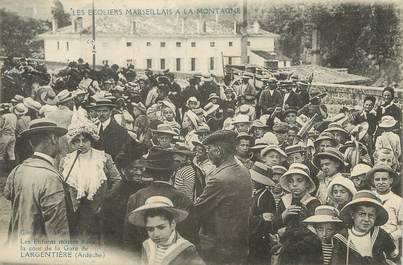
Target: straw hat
342	181
241	118
245	109
136	217
102	102
43	125
294	149
258	124
359	169
259	144
324	214
210	108
32	104
325	136
382	168
278	170
48	97
262	174
387	122
64	96
296	171
365	197
165	128
192	99
19	109
274	148
213	96
331	153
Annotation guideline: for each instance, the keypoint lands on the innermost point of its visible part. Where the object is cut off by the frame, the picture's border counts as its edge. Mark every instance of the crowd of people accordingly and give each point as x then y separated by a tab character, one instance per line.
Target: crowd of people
202	173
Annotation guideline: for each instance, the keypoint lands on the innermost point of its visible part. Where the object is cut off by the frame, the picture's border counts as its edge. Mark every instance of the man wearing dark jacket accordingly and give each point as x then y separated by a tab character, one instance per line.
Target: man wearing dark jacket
270	97
112	136
223	207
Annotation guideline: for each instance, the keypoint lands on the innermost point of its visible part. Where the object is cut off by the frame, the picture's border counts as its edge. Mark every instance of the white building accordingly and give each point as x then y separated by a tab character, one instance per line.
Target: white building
158	43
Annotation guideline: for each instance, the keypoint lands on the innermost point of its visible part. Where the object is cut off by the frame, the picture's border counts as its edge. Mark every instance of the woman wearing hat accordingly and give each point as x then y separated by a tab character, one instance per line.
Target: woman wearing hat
273	155
91	175
165	135
363	242
165	245
340	192
263	210
326	224
382	178
258	129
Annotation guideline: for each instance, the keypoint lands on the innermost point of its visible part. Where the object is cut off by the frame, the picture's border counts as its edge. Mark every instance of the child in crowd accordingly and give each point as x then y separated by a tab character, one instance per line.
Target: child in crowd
273	155
340	192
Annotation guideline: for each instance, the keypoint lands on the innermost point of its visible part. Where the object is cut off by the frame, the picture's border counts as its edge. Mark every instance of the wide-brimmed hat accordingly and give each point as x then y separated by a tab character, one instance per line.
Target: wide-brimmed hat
351	144
19	109
359	169
192	99
43	125
32	104
324	214
360	130
158	159
140	106
294	149
203	128
334	127
221	136
210	108
241	118
245	109
274	148
262	174
213	96
102	102
296	171
325	136
64	96
342	181
258	124
165	128
181	148
387	122
260	144
48	97
278	169
331	153
382	168
365	197
137	216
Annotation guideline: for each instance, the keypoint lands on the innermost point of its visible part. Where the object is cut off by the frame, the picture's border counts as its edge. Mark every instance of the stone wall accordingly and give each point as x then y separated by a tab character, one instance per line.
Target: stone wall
350	95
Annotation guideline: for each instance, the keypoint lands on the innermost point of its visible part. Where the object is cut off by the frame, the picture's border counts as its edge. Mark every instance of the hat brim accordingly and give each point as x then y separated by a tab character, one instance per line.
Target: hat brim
20	113
161	164
48	101
317	219
325	138
102	105
327	155
214	97
165	132
136	217
284	184
370	174
387	125
258	147
59	131
382	215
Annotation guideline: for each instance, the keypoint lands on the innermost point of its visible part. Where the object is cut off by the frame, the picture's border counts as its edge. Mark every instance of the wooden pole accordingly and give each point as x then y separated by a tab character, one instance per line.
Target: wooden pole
244	33
93	36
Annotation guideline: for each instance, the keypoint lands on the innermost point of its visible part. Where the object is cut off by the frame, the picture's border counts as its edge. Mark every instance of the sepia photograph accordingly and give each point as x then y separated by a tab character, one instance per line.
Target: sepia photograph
227	132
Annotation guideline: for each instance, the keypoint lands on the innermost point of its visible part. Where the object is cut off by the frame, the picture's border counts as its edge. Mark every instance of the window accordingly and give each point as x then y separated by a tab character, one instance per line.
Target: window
148	44
129	44
211	63
67	45
248	43
230	44
58	45
178	64
193	44
285	63
178	44
229	60
149	63
212	43
192	64
105	62
162	44
162	64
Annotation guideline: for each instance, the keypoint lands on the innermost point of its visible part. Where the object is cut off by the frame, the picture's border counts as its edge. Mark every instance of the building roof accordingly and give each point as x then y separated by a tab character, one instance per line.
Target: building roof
160	26
327	75
270	55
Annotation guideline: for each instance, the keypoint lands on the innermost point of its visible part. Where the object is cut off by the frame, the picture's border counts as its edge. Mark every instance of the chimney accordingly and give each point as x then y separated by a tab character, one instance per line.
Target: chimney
198	26
183	25
78	25
204	27
256	27
236	31
133	27
54	24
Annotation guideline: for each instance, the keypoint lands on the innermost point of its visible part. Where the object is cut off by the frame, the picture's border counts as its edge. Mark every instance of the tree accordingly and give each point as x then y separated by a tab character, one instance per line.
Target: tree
18	35
62	18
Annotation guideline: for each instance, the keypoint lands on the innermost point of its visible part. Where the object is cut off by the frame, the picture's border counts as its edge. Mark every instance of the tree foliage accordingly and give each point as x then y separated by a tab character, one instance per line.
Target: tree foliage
62	18
19	35
363	38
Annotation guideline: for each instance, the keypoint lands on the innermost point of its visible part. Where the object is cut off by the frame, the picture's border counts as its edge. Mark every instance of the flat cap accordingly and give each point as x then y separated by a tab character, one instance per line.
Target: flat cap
223	136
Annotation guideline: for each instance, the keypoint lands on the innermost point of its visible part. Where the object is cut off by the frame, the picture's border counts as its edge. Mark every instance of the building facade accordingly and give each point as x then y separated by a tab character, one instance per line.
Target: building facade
205	47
